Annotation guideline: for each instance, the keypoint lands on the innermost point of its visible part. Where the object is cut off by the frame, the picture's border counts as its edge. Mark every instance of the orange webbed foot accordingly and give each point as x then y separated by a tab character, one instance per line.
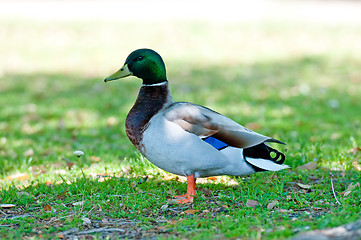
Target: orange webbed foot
188	199
191	192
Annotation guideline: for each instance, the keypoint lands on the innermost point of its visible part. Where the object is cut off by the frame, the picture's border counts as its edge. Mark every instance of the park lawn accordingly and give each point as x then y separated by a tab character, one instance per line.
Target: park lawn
297	83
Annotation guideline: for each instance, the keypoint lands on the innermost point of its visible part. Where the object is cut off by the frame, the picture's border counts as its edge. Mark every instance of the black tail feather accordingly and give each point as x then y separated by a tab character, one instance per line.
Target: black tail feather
264	151
275	141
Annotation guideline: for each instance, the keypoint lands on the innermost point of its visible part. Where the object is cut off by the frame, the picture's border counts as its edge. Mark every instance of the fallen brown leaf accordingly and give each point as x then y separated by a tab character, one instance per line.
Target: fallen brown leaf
19	176
69	165
207	192
28	129
78	203
308	166
212	178
251	203
354	150
350	188
191	211
63	195
172	222
48	183
86	221
169	177
105	221
94	159
356	165
61	236
272	204
304	186
29	152
284	210
111	121
36	170
47	208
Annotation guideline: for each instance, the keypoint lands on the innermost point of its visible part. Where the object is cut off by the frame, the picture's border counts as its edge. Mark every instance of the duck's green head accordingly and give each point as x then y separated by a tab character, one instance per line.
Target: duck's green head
142	63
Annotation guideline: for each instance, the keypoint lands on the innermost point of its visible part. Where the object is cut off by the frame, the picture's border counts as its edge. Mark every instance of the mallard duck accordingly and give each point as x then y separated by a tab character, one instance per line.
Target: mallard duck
188	139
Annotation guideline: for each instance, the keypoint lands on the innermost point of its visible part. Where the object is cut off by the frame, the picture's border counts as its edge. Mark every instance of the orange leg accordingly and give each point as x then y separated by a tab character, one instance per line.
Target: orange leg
191	191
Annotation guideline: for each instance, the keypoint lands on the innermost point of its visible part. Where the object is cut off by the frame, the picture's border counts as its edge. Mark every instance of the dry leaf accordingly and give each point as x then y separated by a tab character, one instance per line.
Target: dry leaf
212	178
191	211
47	208
63	195
284	210
169	177
78	203
207	192
251	203
28	129
164	207
36	170
61	235
69	165
356	165
86	221
272	204
308	166
354	150
304	186
29	152
105	221
94	159
19	176
7	205
350	188
49	183
111	121
172	222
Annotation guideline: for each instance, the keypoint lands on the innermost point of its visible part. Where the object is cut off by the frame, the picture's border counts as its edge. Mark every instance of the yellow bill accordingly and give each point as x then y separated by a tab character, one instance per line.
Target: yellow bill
121	73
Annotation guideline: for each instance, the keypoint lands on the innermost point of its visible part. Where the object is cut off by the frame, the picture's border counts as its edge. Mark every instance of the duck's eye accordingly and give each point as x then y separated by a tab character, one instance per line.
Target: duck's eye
140	58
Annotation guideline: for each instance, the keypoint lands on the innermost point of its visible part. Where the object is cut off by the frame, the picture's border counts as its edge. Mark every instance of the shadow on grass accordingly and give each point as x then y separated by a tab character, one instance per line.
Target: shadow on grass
310	103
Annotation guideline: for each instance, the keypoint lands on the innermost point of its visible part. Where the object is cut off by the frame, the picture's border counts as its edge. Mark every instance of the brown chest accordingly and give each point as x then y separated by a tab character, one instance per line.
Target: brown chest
151	99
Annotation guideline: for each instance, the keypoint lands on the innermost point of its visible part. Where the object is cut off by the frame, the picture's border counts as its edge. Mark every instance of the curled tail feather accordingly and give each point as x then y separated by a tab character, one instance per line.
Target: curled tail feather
259	157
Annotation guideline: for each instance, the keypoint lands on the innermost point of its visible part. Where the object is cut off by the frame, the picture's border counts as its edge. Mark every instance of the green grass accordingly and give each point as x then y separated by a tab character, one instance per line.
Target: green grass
297	83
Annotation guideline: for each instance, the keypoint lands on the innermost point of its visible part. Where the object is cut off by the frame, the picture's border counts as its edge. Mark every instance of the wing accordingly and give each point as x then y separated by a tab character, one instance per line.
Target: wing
204	122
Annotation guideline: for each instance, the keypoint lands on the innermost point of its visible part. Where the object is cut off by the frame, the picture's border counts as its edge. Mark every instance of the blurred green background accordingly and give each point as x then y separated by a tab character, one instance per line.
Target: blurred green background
287	69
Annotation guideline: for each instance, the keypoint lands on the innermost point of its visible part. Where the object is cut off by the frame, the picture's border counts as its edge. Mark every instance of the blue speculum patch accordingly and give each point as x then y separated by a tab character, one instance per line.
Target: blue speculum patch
217	144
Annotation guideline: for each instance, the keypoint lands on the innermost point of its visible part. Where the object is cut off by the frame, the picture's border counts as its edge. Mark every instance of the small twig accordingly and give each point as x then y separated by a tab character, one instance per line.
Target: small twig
84	176
20	216
70	231
3	213
66	216
97	230
333	190
90	210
